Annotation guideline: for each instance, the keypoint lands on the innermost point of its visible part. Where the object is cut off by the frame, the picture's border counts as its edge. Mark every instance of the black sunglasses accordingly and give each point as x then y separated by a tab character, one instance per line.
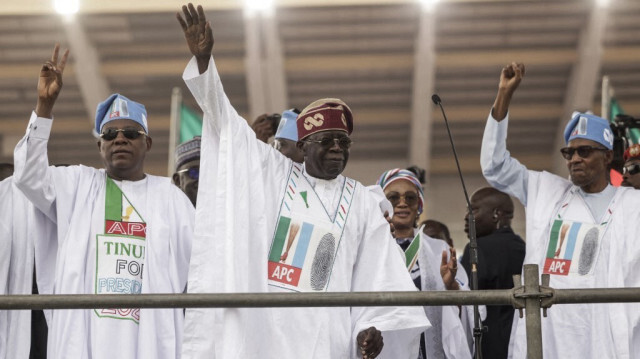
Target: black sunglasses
192	172
111	133
410	198
327	142
583	151
631	169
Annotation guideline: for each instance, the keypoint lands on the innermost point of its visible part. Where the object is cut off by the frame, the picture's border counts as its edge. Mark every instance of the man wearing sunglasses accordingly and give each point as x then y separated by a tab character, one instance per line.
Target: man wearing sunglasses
581	231
188	168
631	169
118	231
268	224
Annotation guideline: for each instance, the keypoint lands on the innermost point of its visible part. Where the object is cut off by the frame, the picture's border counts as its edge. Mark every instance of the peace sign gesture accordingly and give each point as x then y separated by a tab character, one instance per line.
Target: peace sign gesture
50	82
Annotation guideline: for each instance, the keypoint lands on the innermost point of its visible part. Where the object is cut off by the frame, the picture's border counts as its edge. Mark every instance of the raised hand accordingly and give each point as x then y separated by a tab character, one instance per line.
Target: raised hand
370	342
198	33
50	82
510	78
449	269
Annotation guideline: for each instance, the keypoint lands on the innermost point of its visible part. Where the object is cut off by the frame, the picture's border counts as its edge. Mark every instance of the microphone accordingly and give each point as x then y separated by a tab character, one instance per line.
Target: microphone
436	99
473	243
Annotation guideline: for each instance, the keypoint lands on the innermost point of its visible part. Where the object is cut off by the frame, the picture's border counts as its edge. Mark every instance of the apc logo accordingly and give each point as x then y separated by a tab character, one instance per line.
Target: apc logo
316	121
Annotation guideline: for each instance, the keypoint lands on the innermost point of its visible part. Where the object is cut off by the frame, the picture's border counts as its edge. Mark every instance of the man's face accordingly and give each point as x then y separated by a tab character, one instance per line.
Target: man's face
123	157
484	213
187	177
592	169
325	162
628	179
290	150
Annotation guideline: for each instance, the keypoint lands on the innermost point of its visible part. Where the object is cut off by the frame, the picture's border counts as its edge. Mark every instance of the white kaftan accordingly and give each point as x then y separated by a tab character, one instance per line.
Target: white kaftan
77	260
446	338
607	255
242	190
20	223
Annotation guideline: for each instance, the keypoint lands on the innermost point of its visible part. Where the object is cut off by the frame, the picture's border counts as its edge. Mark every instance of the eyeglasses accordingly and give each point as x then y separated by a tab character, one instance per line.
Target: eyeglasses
327	142
192	172
631	169
583	151
410	198
130	133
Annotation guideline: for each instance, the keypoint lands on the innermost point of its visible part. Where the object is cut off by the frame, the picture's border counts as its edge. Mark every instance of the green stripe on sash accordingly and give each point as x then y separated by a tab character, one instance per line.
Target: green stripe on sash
411	254
279	239
553	241
113	201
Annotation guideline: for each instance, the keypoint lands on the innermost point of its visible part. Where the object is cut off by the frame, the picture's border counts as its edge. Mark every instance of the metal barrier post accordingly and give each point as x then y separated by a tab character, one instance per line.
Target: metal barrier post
532	308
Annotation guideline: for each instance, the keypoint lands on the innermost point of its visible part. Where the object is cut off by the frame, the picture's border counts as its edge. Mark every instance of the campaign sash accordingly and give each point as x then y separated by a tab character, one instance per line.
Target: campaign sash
307	235
120	252
411	253
573	247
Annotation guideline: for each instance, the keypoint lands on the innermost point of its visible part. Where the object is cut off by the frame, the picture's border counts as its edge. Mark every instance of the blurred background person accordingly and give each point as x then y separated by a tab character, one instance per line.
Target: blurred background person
187	172
500	256
631	170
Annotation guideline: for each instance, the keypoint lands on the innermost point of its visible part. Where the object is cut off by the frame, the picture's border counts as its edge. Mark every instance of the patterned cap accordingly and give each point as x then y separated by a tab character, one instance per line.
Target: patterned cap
397	174
327	114
118	107
590	127
632	152
188	151
287	128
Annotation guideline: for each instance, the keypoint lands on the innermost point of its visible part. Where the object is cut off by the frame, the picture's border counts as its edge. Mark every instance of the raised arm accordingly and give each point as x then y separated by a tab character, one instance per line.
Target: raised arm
510	79
32	175
204	83
498	167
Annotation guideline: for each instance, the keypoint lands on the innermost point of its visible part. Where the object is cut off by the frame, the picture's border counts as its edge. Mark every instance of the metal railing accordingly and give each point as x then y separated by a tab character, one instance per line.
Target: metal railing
530	296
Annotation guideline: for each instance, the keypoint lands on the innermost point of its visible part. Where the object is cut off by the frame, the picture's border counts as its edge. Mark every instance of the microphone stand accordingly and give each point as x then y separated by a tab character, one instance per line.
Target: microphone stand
478	329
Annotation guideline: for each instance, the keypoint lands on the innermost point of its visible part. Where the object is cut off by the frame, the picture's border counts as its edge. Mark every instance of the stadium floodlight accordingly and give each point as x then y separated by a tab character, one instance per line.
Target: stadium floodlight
428	4
66	7
263	6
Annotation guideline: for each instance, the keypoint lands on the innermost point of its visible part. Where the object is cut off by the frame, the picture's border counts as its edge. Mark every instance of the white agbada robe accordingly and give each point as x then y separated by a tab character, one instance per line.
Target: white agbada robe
74	198
573	330
242	187
446	338
19	225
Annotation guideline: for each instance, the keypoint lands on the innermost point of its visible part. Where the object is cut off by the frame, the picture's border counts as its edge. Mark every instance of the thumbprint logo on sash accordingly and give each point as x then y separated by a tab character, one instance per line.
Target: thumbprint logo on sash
322	262
588	251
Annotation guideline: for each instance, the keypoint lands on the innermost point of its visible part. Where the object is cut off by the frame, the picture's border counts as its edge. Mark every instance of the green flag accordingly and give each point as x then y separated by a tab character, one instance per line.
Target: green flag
190	124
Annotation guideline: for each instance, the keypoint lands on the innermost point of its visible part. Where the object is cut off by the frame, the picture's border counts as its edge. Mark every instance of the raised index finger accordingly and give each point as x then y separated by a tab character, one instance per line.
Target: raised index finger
54	56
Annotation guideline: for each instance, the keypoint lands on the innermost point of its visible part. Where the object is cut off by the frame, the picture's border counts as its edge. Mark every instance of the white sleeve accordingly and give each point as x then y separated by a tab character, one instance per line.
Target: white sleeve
32	174
502	171
208	91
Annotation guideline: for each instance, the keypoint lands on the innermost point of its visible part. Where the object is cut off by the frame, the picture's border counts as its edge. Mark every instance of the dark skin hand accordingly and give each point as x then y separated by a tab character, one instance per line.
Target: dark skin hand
50	83
263	128
370	342
510	78
198	33
449	269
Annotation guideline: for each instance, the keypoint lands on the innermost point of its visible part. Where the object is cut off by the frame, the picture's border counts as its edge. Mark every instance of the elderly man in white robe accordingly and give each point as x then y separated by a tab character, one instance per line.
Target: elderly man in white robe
118	231
581	231
267	224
